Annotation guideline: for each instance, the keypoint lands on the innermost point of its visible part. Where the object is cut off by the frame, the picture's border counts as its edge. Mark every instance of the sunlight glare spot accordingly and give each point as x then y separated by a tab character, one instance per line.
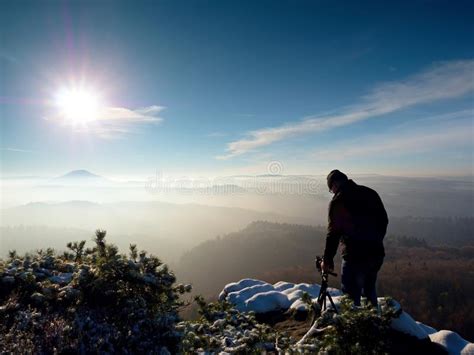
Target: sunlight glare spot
78	106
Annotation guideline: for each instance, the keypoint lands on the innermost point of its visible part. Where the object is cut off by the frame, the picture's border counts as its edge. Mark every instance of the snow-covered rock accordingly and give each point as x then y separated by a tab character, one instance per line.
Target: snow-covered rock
334	292
294	295
244	294
282	285
313	290
261	297
299	306
267	302
427	328
406	324
286	294
237	286
452	342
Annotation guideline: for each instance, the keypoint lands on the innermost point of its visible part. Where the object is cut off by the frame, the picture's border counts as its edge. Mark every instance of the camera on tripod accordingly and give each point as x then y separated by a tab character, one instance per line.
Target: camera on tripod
320	304
318	261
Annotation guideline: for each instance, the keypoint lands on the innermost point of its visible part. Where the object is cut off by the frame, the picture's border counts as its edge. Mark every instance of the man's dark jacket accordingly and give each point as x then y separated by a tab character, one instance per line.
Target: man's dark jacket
358	219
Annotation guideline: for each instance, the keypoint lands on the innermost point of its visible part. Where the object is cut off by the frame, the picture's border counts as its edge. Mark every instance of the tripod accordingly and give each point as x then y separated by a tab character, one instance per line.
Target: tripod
323	292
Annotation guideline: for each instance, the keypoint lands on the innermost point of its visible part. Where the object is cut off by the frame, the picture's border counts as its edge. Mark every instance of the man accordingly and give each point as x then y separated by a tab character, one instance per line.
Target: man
358	220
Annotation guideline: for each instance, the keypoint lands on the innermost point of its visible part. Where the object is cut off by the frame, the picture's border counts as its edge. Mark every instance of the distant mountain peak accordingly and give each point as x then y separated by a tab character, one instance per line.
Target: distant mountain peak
80	174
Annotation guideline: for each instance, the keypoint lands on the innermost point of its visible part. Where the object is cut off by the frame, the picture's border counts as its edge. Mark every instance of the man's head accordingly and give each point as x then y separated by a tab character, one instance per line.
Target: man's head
335	180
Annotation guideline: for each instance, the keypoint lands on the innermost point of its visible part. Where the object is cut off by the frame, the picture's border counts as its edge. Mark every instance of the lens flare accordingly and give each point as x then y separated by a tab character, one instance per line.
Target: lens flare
78	106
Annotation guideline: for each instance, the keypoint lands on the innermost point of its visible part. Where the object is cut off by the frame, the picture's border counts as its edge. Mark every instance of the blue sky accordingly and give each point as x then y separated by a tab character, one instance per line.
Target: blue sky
227	87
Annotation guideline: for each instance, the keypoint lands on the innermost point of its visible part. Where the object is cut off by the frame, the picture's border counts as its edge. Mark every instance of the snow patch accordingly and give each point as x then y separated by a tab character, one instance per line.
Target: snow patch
406	324
427	328
238	298
237	286
453	343
312	290
282	285
267	302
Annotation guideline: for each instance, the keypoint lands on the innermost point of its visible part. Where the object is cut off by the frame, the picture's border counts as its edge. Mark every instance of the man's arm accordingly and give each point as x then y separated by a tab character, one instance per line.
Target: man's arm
382	217
336	216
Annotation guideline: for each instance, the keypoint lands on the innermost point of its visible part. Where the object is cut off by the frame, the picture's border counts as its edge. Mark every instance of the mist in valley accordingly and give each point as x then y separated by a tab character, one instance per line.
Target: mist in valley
171	216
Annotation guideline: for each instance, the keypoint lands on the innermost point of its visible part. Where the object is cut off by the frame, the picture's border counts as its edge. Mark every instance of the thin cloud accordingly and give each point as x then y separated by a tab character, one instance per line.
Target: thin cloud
115	122
17	150
122	114
442	81
409	140
150	110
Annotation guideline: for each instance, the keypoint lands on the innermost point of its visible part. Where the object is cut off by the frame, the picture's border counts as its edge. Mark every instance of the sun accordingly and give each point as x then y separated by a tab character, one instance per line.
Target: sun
78	106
